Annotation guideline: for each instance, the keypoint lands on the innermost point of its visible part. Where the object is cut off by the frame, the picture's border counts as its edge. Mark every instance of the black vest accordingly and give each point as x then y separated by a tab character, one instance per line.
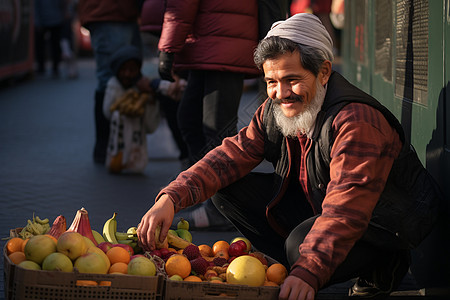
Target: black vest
409	203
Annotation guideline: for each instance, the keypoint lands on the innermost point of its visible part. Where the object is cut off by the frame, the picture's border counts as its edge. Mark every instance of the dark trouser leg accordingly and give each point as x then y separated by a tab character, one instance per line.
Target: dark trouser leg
101	129
170	109
244	204
222	95
39	45
55	40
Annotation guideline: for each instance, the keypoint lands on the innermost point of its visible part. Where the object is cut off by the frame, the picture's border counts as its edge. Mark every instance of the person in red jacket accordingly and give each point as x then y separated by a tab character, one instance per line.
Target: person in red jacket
348	197
213	40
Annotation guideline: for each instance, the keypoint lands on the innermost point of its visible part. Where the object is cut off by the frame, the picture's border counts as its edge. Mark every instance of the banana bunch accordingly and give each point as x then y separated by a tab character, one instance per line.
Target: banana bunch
34	227
110	233
131	104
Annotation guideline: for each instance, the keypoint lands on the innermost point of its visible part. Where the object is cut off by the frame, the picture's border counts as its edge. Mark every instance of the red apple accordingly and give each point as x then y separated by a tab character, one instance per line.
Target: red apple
164	252
136	255
237	248
126	247
156	252
260	256
105	246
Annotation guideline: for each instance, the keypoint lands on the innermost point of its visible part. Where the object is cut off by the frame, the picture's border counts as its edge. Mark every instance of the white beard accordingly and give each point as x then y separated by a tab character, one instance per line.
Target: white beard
303	122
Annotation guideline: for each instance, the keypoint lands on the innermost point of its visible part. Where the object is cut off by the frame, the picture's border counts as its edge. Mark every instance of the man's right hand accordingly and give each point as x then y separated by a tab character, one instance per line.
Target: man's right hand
161	213
165	66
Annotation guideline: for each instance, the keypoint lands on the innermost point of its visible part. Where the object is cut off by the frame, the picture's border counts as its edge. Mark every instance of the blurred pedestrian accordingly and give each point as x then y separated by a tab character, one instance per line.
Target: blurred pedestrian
214	41
67	45
48	21
112	24
151	21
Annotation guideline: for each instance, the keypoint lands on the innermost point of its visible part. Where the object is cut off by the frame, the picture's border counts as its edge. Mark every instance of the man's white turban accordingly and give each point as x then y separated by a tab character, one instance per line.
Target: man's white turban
306	29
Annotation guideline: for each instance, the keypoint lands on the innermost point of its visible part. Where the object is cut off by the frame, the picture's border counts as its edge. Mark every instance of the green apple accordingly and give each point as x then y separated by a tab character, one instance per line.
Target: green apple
141	266
57	262
173	232
38	247
176	277
29	265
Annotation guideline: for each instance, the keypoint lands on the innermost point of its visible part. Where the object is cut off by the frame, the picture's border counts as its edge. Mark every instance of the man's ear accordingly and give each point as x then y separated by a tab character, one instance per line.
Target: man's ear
325	72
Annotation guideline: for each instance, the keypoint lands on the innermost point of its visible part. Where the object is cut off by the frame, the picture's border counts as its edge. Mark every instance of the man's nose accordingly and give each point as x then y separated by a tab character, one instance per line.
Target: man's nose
283	91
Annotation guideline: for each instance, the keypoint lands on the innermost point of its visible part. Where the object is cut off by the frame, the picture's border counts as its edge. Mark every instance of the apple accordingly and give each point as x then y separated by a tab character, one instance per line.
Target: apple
57	262
29	265
38	247
126	247
156	252
164	252
71	244
176	277
260	256
91	262
141	266
88	242
99	251
237	248
105	246
246	240
136	255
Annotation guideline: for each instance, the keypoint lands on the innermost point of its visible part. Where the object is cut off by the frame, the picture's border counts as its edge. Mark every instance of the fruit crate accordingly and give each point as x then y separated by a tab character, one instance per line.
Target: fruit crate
179	290
21	283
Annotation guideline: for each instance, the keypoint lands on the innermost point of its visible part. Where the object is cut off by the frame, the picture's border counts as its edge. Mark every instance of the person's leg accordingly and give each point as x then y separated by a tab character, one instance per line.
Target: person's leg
170	109
39	45
376	257
190	115
244	204
55	48
222	95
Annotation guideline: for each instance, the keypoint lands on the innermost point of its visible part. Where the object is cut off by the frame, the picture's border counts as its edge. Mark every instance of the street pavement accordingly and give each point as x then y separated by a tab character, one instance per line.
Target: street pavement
47	138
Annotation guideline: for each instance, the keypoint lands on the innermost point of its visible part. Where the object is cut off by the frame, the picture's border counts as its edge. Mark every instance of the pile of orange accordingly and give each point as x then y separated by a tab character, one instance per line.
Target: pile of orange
14	249
119	259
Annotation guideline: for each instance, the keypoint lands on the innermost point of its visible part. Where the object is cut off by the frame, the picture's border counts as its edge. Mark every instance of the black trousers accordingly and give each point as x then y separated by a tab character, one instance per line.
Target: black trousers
208	111
244	204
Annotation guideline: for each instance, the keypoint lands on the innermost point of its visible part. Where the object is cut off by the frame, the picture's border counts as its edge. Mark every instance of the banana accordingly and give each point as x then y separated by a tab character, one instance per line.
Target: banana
110	229
176	241
121	235
98	237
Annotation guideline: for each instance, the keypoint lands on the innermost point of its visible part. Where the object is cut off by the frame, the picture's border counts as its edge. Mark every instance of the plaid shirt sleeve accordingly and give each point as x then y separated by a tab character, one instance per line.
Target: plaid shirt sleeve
223	165
362	155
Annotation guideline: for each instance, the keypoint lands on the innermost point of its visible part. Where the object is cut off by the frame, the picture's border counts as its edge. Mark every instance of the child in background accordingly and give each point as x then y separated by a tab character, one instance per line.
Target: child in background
132	109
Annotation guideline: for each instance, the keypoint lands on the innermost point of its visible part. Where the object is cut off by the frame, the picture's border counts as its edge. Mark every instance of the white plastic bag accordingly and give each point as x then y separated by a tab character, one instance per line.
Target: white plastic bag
127	146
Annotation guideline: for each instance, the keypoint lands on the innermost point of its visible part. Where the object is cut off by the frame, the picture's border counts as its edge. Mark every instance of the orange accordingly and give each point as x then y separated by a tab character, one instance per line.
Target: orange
276	273
118	267
52	237
216	281
24	242
220	246
172	249
17	257
104	283
86	282
270	283
14	245
178	265
222	253
118	254
205	250
193	278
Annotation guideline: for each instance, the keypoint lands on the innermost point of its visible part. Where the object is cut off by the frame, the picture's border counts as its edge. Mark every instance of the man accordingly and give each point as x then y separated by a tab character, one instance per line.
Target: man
345	199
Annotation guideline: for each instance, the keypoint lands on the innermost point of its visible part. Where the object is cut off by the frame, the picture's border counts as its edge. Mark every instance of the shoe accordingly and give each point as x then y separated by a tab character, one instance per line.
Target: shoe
386	277
204	217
